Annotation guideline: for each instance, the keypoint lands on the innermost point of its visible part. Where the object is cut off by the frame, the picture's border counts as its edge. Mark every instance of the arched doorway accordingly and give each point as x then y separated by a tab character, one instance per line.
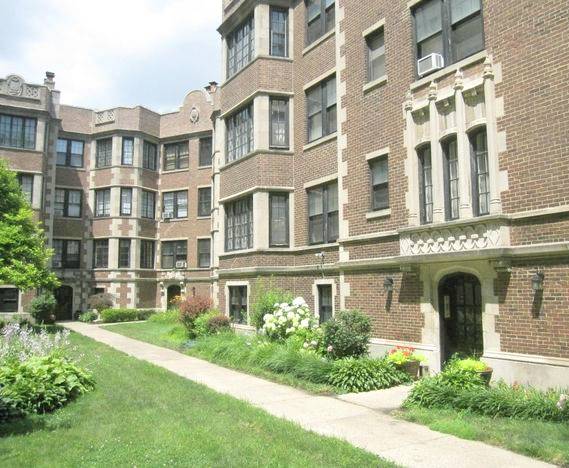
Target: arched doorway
173	291
460	308
64	298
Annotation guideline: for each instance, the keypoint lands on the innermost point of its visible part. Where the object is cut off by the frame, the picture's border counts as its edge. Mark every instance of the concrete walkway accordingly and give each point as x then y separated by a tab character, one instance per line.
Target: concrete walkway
360	419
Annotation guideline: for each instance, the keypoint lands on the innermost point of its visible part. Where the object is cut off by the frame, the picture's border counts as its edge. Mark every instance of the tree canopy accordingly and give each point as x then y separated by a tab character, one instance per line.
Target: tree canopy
24	257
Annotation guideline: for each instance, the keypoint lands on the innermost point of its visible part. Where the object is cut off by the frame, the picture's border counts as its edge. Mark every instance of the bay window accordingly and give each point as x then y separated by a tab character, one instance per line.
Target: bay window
239	225
239	141
279	32
103	202
240	46
104	152
278	220
279	131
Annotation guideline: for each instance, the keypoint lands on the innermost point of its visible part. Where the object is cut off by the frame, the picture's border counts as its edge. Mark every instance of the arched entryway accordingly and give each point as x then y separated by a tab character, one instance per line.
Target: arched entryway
64	298
173	291
460	307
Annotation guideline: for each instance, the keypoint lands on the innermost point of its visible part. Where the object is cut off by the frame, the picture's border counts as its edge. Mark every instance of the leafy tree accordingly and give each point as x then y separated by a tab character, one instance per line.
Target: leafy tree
23	254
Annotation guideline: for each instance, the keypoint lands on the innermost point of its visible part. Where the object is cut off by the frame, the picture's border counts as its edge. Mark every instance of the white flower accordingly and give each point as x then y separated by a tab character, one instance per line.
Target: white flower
305	345
563	399
313	342
305	323
299	302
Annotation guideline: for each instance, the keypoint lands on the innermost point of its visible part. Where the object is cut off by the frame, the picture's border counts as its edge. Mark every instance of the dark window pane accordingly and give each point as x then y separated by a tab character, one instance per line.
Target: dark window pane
279	32
204	201
204	249
206	151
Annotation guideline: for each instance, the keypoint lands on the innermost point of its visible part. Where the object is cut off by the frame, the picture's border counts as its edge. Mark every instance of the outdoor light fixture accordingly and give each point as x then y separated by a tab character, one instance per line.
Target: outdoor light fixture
537	281
388	284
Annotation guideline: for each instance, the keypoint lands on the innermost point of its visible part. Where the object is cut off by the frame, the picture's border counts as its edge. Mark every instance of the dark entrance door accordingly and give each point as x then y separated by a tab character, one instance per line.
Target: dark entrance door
460	306
64	298
172	292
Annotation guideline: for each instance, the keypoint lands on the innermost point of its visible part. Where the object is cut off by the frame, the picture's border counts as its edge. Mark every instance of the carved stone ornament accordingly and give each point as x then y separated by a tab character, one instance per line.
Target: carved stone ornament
14	85
194	115
452	239
106	116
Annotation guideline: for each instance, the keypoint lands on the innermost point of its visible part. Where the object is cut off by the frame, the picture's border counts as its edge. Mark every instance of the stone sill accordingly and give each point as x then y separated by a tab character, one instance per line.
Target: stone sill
174	171
318	41
375	84
458	222
320	141
378	214
21	150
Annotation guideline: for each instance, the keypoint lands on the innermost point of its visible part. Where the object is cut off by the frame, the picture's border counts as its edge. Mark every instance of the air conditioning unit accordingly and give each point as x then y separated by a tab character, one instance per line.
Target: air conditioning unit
168	215
181	264
430	63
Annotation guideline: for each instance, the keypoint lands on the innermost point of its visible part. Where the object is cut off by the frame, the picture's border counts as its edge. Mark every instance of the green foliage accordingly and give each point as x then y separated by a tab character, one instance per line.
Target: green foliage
468	364
461	389
266	298
364	375
42	308
347	334
308	339
218	324
24	258
8	412
190	309
125	315
170	317
201	324
101	301
88	317
42	384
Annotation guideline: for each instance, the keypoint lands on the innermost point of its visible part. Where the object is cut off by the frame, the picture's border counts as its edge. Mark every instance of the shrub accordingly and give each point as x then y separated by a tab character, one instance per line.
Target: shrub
364	375
218	324
347	334
88	317
202	321
288	318
190	309
18	344
167	317
265	304
101	301
125	315
42	308
8	412
42	384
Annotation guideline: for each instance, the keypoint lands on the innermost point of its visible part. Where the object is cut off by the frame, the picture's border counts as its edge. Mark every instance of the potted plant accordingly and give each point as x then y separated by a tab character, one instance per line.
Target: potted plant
407	359
477	366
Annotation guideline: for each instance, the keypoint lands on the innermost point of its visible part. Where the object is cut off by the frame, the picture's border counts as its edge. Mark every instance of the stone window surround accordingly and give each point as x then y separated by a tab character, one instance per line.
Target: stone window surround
228	284
20	294
326	282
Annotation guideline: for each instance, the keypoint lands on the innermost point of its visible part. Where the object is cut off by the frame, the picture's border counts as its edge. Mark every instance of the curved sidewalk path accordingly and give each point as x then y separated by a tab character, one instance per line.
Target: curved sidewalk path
362	420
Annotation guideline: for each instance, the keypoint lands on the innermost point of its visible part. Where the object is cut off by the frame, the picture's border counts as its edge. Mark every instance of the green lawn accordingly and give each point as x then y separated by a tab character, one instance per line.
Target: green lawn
547	441
142	415
172	336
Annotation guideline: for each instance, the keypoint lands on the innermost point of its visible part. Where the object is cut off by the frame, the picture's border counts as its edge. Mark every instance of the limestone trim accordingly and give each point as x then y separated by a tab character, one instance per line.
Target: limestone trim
532	358
315	295
368	237
320	181
377	154
320	141
318	41
228	284
378	214
251	97
382	80
374	27
320	78
257	188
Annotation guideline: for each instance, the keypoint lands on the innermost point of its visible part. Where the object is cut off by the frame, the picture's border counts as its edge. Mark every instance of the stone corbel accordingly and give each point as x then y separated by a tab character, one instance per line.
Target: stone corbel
502	265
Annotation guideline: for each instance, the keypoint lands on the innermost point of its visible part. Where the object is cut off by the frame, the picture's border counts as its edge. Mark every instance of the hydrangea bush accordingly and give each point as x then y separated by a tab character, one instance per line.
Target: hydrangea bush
287	319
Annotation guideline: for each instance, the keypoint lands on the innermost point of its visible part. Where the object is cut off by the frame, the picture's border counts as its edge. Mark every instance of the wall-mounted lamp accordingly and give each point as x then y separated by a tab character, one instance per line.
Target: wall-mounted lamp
388	284
537	281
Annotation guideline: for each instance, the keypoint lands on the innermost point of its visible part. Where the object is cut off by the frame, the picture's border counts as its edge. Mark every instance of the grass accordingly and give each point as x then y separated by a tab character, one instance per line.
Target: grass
172	336
547	441
142	415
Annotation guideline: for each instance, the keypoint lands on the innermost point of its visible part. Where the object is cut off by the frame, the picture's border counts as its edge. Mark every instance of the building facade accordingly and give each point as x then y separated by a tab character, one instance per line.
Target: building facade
405	158
124	194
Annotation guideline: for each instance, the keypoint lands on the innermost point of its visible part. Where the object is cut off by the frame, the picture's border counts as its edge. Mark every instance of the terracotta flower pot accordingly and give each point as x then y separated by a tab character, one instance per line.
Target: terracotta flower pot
411	368
486	375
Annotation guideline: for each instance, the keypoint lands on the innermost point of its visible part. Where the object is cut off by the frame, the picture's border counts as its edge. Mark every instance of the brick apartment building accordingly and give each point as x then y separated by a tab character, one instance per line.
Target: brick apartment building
406	158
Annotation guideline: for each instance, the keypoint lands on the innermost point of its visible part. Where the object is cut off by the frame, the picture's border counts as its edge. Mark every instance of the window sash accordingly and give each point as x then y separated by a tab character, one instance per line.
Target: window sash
104	152
204	253
146	254
325	302
173	252
320	18
149	156
279	32
176	156
70	152
238	304
204	201
101	253
103	203
66	253
481	172
26	182
452	200
67	203
17	132
376	55
279	121
240	46
323	222
124	253
239	140
321	109
206	149
127	157
148	209
239	225
126	202
175	203
380	183
426	185
278	220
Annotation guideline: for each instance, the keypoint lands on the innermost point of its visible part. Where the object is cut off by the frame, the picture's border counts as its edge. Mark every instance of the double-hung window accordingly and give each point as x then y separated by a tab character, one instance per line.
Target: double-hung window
278	220
204	201
380	183
204	253
26	182
68	203
173	252
240	46
147	204
279	122
206	152
481	173
127	156
321	106
69	153
325	302
176	156
17	132
323	214
452	28
425	185
149	156
450	171
279	32
239	134
124	253
126	201
238	304
66	253
104	152
103	202
320	18
175	204
239	225
146	254
376	55
101	253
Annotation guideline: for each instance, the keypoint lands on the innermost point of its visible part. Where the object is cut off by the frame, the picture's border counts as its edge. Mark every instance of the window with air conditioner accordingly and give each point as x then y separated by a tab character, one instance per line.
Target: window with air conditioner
174	254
